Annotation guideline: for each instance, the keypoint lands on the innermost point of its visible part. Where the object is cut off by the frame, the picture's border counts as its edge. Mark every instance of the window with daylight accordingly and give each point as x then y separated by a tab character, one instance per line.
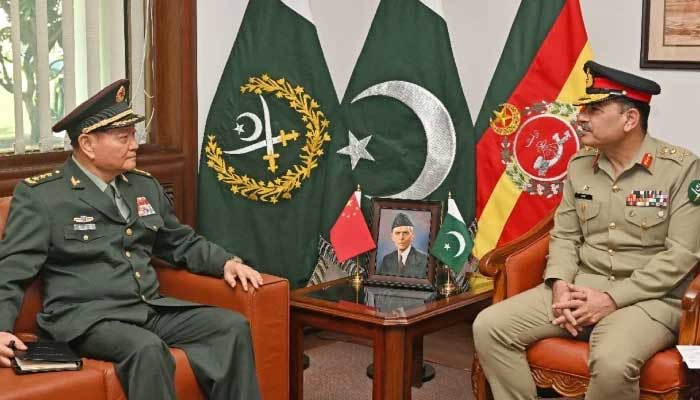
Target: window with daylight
54	54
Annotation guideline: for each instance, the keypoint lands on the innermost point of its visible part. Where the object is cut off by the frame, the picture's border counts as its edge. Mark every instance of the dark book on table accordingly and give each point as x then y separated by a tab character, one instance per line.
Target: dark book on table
45	356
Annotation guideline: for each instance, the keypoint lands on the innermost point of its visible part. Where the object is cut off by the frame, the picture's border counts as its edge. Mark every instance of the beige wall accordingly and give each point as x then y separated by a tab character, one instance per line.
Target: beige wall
478	31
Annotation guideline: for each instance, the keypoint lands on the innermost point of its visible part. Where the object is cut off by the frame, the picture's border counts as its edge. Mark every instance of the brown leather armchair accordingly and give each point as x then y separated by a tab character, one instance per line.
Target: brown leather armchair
562	364
267	310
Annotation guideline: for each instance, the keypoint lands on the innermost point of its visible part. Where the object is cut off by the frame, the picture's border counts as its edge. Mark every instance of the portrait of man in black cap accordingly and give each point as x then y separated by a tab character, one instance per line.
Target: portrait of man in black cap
90	228
406	260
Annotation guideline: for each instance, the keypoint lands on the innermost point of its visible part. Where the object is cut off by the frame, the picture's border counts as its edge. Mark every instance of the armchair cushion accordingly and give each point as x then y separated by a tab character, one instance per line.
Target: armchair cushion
663	373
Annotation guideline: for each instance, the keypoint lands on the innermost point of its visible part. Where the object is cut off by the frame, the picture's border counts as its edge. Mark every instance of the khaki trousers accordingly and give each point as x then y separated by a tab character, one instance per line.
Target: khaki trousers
619	345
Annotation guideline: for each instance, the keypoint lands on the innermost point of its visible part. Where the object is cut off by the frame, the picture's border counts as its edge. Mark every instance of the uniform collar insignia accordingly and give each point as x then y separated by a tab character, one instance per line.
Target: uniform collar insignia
647	159
124	178
74	181
595	162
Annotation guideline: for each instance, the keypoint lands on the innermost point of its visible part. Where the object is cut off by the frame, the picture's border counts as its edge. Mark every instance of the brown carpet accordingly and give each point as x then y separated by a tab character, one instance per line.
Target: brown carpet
338	364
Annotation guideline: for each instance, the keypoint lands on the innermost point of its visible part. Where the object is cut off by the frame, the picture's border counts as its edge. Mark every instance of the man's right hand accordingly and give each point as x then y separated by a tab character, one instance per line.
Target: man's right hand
6	352
561	292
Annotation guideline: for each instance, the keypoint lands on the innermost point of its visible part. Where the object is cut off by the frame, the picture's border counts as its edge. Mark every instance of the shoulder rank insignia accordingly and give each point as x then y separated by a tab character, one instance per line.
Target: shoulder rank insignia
585	151
42	178
141	172
673	153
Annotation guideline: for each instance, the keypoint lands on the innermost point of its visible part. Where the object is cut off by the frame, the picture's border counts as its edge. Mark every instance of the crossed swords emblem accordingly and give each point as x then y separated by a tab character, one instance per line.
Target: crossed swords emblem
269	142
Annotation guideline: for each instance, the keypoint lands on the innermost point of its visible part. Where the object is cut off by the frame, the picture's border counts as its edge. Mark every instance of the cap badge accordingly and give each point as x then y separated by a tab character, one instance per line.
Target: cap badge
694	192
121	94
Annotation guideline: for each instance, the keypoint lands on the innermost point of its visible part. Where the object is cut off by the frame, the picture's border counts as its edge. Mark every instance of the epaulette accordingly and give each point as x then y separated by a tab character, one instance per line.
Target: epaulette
585	151
43	178
141	172
677	154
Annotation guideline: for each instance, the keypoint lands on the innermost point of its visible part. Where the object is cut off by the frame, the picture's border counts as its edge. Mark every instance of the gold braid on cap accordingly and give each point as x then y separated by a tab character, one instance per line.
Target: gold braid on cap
107	121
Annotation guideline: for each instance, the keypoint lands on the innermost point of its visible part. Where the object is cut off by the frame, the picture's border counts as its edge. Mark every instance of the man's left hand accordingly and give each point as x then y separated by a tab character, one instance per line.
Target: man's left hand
589	312
235	269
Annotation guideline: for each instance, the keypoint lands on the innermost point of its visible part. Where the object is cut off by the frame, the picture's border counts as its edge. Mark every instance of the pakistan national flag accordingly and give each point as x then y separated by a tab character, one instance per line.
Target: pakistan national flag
409	131
453	244
265	142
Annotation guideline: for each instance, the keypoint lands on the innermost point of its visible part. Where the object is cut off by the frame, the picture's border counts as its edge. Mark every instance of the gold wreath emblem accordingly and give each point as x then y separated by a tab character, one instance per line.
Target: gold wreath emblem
316	134
505	120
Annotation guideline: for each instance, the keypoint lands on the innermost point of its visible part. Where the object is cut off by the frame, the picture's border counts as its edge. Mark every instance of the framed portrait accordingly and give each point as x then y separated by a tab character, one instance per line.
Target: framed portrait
670	34
404	230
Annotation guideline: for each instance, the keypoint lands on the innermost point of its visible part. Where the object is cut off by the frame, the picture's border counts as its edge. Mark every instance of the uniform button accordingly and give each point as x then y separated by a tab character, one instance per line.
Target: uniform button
615	188
127	254
632	214
644	225
129	232
611	251
86	237
612	225
138	275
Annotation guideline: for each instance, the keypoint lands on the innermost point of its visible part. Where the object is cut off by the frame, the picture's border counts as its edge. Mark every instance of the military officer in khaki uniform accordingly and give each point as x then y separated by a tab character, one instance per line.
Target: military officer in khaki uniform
90	228
624	242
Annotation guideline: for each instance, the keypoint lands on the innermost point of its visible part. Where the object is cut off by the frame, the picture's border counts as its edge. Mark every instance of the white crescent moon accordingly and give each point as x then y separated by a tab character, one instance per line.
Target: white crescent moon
258	126
460	239
439	132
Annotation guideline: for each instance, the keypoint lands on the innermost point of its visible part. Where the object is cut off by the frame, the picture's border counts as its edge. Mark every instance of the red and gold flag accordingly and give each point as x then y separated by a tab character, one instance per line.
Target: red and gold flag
525	125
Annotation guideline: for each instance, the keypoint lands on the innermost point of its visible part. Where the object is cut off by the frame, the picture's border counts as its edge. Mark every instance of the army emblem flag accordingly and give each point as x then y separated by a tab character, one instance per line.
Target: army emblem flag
409	134
265	142
526	136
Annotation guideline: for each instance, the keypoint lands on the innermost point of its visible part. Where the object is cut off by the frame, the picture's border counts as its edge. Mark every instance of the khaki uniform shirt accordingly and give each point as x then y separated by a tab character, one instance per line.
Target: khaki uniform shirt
641	254
95	264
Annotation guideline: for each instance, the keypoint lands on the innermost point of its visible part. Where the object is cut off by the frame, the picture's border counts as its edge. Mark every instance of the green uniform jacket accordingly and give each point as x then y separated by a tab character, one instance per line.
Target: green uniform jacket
641	254
95	264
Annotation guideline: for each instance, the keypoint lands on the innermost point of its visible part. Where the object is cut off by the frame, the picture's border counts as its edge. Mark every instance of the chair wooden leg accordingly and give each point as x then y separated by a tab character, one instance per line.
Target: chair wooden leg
480	385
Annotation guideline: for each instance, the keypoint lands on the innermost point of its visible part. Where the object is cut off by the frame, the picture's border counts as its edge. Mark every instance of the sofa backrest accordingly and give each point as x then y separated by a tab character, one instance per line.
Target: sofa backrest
26	320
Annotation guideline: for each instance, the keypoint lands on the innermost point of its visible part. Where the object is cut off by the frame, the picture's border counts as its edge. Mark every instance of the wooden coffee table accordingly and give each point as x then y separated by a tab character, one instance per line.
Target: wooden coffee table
395	321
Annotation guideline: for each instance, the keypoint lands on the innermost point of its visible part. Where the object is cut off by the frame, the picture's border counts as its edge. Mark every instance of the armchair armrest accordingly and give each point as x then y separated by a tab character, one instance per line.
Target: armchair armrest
689	332
519	265
267	310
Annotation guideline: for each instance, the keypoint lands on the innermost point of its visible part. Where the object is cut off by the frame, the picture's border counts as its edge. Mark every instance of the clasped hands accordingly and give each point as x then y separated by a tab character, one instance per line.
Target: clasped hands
576	307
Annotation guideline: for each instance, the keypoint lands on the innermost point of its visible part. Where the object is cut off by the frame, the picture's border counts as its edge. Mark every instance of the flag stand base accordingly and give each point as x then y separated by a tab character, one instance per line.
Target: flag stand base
448	289
356	280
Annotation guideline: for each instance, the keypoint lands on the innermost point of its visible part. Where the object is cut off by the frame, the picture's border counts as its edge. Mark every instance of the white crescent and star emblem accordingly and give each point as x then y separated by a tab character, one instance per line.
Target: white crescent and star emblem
462	242
439	132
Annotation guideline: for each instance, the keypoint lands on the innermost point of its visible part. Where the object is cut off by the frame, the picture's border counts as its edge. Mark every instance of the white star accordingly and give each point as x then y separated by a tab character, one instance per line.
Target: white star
239	128
447	246
356	149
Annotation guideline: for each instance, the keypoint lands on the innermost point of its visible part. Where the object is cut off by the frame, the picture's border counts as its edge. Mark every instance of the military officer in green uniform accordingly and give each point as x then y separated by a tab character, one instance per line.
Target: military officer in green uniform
90	229
624	242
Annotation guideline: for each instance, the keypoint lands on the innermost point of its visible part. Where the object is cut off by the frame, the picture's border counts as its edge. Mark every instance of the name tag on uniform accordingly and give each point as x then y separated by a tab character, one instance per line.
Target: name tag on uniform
144	207
84	227
647	198
584	196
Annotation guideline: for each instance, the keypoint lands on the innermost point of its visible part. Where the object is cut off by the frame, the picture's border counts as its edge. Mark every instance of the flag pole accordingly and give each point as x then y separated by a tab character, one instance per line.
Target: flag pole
356	281
448	288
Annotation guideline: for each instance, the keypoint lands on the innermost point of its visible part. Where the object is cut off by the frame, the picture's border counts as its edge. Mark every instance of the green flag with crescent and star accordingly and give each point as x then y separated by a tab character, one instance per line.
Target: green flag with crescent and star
265	142
409	133
453	243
